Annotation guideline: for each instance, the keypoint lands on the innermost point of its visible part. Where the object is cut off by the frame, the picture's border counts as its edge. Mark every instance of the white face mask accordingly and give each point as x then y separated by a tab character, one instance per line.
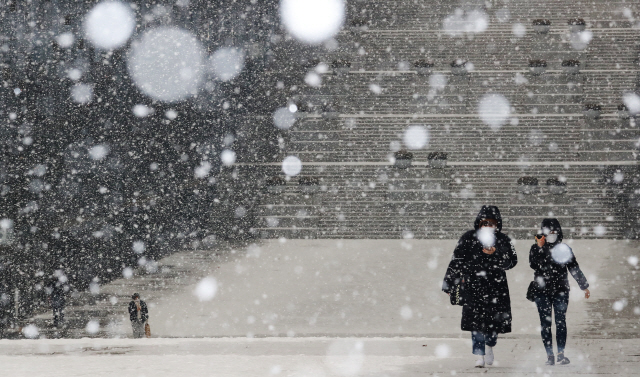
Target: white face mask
486	236
551	238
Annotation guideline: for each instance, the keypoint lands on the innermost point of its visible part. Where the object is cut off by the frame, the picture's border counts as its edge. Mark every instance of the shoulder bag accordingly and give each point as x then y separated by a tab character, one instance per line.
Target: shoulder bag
455	295
533	291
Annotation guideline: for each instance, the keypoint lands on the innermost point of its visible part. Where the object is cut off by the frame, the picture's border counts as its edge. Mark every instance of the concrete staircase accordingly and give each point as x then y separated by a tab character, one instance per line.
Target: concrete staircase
107	306
364	201
362	195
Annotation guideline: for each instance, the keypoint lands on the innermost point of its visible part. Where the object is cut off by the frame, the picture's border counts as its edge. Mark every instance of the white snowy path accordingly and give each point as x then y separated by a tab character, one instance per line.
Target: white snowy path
342	308
302	357
350	288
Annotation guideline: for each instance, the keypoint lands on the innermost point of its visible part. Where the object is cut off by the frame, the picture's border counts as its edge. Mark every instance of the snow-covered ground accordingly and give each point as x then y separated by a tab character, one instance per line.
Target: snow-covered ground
341	307
304	357
361	288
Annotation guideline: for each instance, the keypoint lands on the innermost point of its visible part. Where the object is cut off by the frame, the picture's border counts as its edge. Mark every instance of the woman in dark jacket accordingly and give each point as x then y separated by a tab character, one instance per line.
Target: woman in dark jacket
138	314
550	260
479	262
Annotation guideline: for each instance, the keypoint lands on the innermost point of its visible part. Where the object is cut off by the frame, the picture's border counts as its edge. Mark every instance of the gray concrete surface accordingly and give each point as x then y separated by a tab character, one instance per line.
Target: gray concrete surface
374	288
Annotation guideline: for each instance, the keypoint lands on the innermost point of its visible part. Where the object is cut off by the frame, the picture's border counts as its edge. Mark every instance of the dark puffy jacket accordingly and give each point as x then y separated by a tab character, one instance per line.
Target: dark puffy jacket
485	292
57	294
133	311
551	273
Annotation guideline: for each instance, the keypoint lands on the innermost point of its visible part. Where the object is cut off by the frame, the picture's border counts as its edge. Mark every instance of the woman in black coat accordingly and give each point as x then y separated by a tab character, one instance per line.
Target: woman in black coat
550	260
479	263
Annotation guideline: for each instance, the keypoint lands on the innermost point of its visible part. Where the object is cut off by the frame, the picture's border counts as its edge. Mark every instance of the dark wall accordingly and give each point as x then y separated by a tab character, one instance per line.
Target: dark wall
67	212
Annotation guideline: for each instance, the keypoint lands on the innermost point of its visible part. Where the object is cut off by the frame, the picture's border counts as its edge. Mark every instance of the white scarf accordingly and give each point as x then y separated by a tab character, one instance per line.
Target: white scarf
137	301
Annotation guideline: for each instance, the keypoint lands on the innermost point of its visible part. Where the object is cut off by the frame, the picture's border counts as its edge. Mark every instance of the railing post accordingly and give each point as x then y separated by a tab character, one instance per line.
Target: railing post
16	304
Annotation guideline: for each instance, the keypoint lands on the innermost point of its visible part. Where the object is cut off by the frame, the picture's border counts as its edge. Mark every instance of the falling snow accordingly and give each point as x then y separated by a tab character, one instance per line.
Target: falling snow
286	183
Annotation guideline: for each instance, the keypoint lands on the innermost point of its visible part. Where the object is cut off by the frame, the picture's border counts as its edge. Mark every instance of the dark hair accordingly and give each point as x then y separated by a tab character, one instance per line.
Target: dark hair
135	296
488	221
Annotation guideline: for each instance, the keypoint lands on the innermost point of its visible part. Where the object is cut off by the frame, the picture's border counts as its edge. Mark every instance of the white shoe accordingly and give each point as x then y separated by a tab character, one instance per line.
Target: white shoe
488	357
480	362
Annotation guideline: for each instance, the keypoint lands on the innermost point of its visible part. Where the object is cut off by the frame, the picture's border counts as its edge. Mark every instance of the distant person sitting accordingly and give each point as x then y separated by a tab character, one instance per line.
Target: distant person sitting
138	314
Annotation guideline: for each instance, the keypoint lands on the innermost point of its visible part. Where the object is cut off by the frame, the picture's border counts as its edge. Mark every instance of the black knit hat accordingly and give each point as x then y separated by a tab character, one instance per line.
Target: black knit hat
135	296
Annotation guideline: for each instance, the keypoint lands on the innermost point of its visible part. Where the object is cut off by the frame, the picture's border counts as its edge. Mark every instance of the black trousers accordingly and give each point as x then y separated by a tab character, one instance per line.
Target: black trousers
556	303
58	316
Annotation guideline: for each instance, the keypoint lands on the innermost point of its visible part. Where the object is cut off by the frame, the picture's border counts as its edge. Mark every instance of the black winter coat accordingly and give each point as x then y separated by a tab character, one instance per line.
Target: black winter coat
485	292
551	273
133	311
57	297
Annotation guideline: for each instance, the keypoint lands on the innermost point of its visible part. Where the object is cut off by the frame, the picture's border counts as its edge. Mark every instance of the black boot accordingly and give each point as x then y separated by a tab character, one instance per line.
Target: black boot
551	360
562	360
